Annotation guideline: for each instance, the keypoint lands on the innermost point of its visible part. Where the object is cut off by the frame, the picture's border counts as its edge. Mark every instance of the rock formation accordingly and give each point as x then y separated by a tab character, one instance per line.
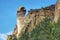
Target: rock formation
57	11
33	18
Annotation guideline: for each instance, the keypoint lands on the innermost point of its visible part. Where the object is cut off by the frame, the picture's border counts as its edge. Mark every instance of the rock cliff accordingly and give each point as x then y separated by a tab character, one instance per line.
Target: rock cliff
33	18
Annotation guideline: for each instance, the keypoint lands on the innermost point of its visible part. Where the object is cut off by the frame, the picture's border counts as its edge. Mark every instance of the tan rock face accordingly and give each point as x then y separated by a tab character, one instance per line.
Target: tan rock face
34	17
20	20
11	37
20	23
57	11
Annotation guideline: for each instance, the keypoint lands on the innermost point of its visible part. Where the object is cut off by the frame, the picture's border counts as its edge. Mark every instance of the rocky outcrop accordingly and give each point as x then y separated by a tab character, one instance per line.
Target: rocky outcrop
33	18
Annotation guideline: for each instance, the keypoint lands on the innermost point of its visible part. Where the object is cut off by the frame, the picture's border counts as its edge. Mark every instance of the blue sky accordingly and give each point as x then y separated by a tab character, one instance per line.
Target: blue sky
8	10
